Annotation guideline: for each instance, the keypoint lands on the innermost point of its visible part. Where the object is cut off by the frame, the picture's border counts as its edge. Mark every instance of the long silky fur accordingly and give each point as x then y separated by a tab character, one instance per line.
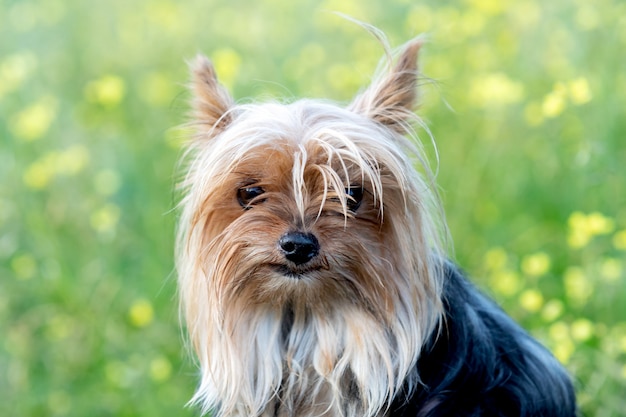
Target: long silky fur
482	364
250	364
377	324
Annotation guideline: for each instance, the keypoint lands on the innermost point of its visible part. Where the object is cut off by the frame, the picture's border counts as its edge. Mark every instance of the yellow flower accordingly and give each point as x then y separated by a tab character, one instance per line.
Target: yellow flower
141	313
227	63
578	239
160	369
577	220
38	174
496	89
552	310
554	102
505	282
72	160
619	240
564	351
611	269
495	259
33	122
578	288
578	236
579	91
561	341
582	228
582	330
531	300
536	264
68	162
599	224
108	91
490	7
559	332
105	219
15	70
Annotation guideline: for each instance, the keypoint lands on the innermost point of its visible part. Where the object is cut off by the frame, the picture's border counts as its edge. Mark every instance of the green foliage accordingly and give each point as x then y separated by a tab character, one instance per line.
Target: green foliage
524	98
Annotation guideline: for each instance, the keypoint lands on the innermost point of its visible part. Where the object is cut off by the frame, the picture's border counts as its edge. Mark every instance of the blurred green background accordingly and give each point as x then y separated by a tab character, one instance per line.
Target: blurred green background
527	108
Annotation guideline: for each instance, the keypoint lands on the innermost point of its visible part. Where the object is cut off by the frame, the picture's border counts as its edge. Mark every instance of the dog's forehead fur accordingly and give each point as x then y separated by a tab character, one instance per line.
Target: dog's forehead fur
309	133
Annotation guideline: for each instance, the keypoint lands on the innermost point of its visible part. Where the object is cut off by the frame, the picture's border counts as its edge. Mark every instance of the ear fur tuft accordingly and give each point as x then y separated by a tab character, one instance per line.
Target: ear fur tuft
392	96
211	101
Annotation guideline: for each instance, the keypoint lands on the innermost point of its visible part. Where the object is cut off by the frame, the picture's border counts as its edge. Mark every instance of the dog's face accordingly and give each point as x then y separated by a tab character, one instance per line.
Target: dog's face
293	208
306	245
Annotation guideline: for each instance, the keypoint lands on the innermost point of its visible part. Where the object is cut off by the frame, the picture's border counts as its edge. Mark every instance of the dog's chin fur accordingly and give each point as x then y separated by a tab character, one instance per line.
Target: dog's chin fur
341	334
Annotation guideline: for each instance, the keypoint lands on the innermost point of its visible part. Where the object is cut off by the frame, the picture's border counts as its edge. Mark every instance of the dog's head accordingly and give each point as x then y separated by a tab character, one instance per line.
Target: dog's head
308	247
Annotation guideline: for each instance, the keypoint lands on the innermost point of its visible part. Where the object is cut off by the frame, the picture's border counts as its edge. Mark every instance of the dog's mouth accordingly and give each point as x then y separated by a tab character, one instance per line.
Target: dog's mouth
299	272
295	273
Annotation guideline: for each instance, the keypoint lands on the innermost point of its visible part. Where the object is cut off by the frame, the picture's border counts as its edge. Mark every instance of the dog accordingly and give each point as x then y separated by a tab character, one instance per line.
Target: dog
313	275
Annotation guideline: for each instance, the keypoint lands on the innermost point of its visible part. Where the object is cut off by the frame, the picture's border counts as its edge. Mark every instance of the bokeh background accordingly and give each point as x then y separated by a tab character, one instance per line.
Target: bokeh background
527	106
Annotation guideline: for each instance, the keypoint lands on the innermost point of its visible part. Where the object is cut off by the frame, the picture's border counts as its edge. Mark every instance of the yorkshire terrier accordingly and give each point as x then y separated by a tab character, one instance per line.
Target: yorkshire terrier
312	271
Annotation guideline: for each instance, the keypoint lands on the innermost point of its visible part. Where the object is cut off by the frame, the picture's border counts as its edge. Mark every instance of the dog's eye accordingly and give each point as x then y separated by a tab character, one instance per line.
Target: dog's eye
248	196
355	196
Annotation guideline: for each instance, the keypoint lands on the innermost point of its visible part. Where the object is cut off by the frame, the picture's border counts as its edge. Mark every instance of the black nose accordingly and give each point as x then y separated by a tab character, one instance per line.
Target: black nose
299	247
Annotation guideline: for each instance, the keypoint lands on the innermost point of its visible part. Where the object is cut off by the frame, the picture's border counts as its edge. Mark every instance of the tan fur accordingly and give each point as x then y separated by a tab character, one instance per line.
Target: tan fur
341	335
390	99
211	100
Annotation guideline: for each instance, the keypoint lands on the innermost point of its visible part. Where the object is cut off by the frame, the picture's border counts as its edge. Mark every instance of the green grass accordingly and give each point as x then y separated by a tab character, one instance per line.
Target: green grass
527	112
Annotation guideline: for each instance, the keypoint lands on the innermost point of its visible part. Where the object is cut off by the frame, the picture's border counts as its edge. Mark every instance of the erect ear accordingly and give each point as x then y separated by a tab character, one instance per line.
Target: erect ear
392	96
211	101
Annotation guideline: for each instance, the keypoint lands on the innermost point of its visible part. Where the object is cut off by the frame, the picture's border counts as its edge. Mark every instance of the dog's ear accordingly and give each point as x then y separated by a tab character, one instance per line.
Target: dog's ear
211	101
392	96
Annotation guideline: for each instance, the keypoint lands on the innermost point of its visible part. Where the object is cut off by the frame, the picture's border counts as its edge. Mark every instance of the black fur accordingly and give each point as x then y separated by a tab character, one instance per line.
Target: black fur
483	364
